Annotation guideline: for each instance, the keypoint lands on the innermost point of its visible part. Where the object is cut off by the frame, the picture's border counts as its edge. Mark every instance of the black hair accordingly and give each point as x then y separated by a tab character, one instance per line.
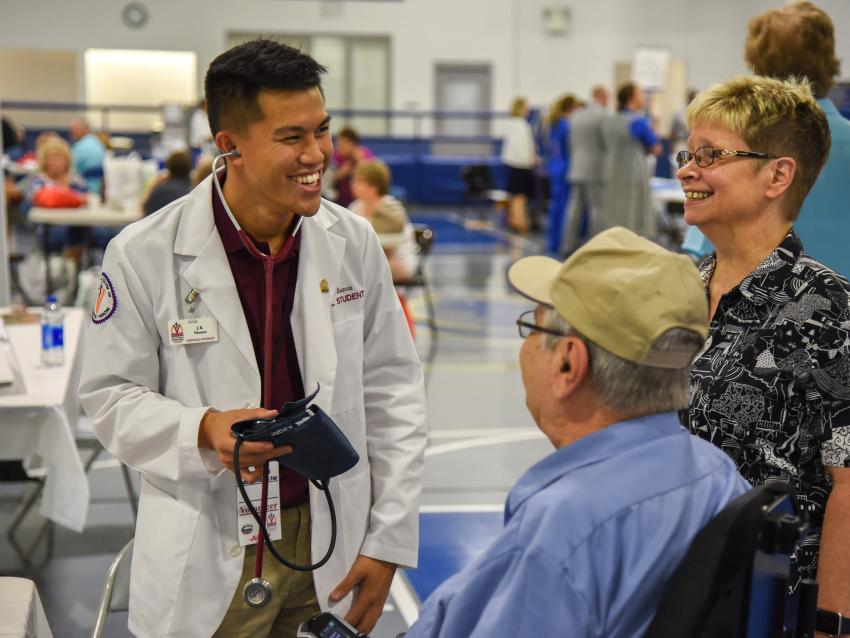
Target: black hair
236	77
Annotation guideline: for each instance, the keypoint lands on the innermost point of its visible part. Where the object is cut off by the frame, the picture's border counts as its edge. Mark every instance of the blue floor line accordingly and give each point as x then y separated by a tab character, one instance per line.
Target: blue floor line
448	543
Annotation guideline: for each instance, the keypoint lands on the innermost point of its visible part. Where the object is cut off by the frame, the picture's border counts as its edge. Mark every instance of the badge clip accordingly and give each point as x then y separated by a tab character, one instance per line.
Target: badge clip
193	294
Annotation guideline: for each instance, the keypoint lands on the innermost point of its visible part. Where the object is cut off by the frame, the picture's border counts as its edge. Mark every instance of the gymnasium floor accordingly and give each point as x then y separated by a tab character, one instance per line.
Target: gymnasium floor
481	439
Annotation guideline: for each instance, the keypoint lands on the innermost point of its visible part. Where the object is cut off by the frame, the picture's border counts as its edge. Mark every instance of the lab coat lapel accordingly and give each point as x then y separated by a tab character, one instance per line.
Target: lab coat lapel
209	271
320	257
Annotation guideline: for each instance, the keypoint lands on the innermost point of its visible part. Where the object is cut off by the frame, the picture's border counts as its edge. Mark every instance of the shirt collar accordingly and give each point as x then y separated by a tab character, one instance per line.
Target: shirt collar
760	286
594	448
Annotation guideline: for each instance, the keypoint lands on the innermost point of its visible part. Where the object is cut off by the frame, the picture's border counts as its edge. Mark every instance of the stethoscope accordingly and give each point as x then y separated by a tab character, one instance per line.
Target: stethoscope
258	591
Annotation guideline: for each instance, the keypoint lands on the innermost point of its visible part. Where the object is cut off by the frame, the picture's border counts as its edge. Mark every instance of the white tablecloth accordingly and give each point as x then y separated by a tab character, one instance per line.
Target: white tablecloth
37	424
21	613
99	216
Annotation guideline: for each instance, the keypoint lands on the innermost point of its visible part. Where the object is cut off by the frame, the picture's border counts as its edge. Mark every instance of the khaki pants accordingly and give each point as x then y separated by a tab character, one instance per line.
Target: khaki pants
293	598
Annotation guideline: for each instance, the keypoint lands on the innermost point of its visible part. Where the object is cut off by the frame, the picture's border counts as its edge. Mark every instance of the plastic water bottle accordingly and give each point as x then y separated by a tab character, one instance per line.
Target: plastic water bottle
52	334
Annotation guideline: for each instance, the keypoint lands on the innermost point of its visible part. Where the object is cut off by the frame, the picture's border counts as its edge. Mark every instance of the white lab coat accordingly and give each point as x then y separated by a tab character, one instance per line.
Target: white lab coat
146	398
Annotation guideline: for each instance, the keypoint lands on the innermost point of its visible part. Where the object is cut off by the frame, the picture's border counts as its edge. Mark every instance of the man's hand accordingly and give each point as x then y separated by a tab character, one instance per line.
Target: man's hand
214	434
373	578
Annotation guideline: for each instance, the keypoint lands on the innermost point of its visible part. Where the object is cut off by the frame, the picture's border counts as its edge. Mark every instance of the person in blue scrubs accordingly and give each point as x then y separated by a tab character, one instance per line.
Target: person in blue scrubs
557	167
594	531
799	40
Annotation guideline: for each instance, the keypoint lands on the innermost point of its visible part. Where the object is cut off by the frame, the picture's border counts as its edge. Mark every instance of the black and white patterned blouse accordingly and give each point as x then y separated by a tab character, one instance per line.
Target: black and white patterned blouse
771	387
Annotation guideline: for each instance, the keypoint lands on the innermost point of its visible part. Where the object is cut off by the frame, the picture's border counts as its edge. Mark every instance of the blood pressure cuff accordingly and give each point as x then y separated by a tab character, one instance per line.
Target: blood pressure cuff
319	448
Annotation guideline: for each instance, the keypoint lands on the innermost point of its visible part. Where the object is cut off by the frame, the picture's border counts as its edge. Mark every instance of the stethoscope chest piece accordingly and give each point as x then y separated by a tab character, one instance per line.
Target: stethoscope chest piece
257	592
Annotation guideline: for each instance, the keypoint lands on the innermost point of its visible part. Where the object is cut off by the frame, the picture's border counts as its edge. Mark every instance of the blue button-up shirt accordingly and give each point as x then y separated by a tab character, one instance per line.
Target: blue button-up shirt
592	534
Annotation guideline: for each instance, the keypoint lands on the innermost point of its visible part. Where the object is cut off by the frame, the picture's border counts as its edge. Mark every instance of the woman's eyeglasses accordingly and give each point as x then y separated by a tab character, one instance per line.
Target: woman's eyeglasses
704	156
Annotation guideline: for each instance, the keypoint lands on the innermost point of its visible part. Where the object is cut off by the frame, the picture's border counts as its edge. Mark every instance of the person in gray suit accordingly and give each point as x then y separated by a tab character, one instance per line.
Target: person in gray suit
587	148
629	139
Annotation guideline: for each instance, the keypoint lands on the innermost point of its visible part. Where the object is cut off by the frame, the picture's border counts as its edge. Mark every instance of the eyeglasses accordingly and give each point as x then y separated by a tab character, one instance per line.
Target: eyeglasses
705	156
528	327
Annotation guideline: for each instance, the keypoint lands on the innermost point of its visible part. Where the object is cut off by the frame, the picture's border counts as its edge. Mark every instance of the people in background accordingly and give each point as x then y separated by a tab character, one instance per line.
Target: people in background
771	387
299	295
12	142
371	186
587	154
348	153
11	148
520	156
200	136
174	184
679	125
594	531
558	166
88	152
55	186
201	170
629	138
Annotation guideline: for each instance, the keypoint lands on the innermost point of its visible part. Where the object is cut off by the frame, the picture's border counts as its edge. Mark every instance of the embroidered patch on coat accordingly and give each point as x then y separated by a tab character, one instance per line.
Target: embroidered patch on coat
107	302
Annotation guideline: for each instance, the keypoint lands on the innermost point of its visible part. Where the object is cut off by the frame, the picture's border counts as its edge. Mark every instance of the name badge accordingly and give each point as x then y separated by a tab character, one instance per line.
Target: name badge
248	530
184	332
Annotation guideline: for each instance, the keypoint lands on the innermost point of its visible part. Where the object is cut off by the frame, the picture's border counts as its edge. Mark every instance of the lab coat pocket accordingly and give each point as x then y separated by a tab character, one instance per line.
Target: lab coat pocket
355	495
164	535
348	384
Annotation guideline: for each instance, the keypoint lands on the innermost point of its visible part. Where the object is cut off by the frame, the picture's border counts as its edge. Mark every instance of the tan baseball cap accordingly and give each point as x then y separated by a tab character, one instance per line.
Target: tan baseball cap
622	292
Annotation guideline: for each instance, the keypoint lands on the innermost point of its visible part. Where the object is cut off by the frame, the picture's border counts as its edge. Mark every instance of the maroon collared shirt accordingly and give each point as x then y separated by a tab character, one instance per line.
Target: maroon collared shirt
249	275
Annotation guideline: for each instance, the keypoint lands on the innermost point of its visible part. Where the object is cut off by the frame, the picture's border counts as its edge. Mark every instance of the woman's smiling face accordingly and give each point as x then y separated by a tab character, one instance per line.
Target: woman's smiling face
730	190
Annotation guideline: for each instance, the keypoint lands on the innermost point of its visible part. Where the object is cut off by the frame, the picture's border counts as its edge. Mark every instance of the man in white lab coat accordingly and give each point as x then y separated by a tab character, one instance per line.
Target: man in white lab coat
255	293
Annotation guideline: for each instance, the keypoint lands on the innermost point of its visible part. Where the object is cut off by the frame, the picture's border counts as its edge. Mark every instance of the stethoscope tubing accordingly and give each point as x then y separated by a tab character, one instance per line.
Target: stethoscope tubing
322	485
269	262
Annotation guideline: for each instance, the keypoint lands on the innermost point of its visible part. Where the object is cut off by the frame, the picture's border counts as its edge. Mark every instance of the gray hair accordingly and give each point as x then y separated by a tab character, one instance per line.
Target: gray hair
630	388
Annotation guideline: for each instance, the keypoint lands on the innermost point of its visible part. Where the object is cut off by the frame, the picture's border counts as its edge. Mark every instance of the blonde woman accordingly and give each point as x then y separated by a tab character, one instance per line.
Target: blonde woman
370	184
772	384
55	185
520	156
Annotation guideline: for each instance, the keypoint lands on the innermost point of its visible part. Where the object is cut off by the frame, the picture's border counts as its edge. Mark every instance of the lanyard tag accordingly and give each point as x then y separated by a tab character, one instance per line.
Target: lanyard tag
184	332
247	528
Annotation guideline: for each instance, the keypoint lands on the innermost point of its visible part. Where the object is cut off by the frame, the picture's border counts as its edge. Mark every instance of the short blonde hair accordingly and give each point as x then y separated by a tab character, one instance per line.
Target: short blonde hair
777	117
519	106
375	173
796	40
53	144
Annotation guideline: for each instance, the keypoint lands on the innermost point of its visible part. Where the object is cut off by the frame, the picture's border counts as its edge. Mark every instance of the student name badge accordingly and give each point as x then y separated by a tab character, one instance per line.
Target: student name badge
184	332
248	530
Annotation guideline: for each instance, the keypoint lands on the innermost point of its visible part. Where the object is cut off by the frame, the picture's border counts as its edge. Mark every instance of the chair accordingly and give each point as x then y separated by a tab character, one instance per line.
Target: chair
479	192
424	238
14	471
116	590
733	581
